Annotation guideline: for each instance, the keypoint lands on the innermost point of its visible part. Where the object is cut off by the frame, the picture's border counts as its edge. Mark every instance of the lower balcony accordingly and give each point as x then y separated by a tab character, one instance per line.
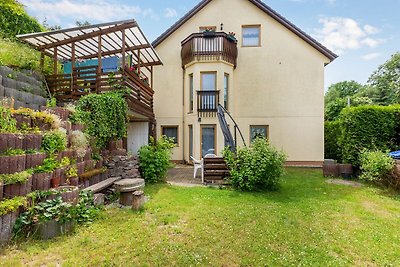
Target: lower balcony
207	103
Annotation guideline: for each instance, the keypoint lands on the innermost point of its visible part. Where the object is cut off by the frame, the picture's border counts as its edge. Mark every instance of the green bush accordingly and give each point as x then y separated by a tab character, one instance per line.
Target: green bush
15	178
105	116
333	132
375	165
154	159
11	205
255	168
53	142
369	127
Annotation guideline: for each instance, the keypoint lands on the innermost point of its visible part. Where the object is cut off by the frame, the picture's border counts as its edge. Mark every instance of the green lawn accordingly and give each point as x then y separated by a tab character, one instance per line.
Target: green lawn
308	222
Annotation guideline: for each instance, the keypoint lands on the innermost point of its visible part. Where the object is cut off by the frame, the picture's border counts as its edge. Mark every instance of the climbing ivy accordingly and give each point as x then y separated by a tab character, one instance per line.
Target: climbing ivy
105	116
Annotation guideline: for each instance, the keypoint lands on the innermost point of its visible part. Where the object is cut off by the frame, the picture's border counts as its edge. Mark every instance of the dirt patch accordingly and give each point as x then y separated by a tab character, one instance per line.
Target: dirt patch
344	182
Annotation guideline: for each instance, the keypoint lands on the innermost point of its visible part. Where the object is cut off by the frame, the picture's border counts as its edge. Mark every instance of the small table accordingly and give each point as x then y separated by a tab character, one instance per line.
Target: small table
126	187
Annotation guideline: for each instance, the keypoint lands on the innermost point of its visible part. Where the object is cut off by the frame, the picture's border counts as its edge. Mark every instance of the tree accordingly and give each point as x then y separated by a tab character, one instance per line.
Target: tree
386	81
342	90
82	23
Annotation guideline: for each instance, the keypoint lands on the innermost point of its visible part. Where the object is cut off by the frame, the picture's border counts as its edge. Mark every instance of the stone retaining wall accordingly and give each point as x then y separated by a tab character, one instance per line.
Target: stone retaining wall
126	167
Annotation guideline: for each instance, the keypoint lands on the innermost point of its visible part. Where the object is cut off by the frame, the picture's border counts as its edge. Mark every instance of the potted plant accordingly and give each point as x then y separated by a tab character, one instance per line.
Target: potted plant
209	33
231	37
16	184
43	175
72	176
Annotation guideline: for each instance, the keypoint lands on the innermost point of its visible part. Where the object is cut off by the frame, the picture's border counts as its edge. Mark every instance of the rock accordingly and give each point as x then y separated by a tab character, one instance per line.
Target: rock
99	199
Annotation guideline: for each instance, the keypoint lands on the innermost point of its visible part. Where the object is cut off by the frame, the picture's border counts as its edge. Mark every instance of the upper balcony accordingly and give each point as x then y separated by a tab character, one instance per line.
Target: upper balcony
209	46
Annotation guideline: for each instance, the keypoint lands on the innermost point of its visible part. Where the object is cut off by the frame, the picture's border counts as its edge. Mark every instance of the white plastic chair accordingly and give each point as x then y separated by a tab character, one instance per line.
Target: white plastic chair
198	164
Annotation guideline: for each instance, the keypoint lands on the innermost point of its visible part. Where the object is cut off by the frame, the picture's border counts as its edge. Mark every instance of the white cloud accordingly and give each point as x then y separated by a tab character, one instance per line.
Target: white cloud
371	56
82	10
170	13
341	34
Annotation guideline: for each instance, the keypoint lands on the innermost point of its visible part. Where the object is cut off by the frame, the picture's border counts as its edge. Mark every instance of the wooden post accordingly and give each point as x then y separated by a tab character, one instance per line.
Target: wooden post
138	67
73	67
100	65
41	60
55	61
123	49
137	200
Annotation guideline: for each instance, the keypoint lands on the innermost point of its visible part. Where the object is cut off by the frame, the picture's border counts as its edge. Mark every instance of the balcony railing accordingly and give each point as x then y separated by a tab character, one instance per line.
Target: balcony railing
209	46
207	102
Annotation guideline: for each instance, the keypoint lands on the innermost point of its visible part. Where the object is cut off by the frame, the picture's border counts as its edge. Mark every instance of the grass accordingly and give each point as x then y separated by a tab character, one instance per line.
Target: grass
21	56
307	222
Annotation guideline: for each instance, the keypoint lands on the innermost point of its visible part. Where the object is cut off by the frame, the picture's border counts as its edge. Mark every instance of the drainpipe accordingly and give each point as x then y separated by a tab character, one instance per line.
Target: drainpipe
183	114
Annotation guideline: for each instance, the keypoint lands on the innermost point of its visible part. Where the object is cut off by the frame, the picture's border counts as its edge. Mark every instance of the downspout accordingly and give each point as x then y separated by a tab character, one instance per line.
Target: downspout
183	114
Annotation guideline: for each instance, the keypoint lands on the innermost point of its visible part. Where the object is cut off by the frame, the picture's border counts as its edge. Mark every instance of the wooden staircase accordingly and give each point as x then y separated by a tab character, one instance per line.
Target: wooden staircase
215	171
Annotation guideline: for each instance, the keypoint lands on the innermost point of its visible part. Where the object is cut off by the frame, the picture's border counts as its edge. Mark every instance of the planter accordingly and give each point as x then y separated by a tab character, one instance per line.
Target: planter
15	190
7	223
81	167
12	164
99	164
51	229
60	112
60	173
88	154
69	153
55	182
94	179
89	165
22	120
69	194
10	141
34	160
115	145
346	170
231	39
41	181
209	34
74	181
331	170
32	141
43	126
77	127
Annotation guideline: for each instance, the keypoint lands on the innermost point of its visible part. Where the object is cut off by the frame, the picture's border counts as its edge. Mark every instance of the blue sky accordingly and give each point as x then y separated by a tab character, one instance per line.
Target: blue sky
363	32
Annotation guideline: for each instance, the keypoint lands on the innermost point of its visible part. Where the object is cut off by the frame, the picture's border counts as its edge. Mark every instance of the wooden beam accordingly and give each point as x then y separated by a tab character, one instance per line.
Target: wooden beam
89	35
72	67
123	49
55	60
41	60
99	63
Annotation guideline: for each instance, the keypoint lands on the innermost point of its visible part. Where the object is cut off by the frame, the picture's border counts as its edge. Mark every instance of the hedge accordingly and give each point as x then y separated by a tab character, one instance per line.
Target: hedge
368	127
333	131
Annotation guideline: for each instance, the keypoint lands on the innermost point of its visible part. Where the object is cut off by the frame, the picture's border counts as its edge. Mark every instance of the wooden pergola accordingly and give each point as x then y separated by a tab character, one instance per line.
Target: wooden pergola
86	49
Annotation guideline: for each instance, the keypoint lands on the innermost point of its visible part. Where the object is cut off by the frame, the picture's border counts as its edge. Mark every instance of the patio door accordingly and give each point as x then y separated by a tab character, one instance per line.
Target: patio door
208	135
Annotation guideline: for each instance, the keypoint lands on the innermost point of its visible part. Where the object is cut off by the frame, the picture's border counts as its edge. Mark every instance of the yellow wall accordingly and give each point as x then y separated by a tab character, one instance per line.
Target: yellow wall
279	84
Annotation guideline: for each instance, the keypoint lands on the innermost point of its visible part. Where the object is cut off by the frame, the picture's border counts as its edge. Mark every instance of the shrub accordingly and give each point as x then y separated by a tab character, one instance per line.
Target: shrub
375	165
15	178
368	127
254	168
79	143
54	142
11	205
48	166
333	133
105	116
7	123
154	159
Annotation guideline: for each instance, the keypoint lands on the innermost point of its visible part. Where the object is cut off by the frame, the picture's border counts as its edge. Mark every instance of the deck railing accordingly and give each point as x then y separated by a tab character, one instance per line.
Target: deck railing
207	102
89	79
209	46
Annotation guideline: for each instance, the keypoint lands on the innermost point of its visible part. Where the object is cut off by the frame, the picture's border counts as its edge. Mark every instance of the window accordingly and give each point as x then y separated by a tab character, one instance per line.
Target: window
258	131
226	90
208	81
251	35
191	92
171	132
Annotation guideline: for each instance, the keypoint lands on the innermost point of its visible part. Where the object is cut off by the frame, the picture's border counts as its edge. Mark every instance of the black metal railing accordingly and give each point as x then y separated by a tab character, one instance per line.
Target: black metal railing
207	101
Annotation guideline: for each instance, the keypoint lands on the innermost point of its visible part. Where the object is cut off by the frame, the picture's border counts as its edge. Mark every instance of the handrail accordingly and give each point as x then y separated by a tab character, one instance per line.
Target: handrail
209	46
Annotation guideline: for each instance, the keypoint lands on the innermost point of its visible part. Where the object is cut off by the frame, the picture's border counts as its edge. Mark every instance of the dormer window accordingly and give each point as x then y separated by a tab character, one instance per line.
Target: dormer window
251	35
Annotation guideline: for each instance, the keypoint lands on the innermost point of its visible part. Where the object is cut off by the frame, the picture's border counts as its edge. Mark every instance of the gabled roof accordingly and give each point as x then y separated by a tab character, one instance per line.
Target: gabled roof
275	15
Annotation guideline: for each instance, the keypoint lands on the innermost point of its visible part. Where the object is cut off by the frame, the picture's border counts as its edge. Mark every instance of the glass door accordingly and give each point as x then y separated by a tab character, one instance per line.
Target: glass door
208	91
207	140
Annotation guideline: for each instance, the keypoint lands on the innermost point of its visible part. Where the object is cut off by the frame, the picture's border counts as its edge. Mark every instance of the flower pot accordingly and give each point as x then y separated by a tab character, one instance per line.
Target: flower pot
331	170
51	229
14	190
34	160
7	222
32	141
346	170
12	164
41	181
55	182
74	181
